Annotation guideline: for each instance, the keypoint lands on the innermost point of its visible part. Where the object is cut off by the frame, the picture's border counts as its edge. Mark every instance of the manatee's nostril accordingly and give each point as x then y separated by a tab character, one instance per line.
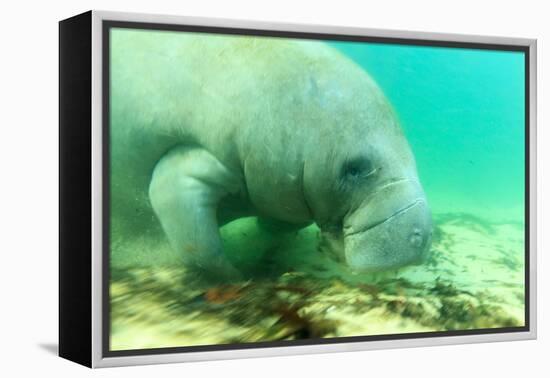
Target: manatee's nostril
416	238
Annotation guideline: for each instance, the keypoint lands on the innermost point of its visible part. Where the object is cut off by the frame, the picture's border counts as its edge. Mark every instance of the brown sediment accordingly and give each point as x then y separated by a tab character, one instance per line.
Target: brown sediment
159	306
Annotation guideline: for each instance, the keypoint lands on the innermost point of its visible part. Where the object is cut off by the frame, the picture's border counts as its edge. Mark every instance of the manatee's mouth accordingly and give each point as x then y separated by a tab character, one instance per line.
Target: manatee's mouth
376	223
400	239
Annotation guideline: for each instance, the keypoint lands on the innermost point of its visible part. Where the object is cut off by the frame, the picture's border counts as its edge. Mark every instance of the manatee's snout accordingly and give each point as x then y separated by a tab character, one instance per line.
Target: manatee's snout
400	238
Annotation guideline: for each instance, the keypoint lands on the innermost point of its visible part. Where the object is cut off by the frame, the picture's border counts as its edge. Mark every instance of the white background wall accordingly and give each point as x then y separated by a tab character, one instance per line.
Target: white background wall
28	158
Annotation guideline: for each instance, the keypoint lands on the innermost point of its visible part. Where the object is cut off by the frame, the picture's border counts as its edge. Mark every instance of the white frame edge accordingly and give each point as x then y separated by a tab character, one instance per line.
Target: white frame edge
97	183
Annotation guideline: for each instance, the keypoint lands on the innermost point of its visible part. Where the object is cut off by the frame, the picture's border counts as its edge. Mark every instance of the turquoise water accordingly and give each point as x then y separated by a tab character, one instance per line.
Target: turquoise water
463	113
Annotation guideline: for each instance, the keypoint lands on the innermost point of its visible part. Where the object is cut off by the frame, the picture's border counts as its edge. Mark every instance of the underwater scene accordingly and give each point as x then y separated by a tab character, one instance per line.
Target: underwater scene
268	189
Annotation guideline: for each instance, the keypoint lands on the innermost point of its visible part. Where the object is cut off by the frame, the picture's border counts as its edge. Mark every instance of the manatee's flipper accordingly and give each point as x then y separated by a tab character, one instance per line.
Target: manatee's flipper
186	186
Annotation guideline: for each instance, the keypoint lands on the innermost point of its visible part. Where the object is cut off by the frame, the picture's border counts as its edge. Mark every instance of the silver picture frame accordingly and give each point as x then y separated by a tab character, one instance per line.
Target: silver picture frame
98	357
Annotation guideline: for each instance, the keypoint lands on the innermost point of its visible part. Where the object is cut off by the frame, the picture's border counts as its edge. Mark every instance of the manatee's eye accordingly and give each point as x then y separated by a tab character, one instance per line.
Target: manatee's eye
353	170
356	168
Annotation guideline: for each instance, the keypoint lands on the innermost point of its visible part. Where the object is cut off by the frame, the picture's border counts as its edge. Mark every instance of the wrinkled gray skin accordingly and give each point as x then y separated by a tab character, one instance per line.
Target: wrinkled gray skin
213	129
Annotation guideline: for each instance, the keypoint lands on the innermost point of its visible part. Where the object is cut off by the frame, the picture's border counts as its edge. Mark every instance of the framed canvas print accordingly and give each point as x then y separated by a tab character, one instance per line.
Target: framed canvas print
234	189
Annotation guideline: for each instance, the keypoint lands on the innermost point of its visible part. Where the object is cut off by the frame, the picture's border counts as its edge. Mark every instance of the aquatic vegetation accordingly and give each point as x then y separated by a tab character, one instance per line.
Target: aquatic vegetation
156	306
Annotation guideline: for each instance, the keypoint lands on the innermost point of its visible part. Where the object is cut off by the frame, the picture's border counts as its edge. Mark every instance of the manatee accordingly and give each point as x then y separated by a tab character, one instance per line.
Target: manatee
208	128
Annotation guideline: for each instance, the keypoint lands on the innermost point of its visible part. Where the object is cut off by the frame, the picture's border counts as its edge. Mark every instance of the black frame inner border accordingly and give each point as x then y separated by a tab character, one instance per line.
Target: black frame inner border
107	25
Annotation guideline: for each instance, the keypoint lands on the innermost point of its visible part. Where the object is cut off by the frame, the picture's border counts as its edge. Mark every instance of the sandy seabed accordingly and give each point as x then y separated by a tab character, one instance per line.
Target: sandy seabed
474	279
